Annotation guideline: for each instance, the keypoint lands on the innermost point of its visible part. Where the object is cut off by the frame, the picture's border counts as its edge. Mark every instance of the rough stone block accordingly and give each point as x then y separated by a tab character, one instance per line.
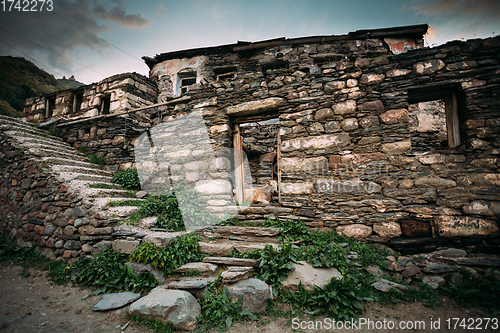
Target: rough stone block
463	226
125	246
316	142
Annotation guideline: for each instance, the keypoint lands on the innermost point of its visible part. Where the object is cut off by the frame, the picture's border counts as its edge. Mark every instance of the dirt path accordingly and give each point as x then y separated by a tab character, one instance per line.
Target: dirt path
35	305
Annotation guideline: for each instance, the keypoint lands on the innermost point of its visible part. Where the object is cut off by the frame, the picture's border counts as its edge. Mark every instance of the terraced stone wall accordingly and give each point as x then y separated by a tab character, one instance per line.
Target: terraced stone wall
350	128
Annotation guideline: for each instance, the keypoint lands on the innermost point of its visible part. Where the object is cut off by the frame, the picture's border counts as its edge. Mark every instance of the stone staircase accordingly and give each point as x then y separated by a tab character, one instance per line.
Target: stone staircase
68	165
71	167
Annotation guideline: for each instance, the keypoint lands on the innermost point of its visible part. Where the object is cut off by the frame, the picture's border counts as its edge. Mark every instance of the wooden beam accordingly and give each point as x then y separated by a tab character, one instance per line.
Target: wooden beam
178	100
238	165
452	123
278	162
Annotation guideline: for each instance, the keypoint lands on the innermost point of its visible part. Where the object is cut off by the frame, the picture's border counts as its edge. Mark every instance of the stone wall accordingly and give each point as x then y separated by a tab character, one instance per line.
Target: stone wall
121	92
347	114
38	210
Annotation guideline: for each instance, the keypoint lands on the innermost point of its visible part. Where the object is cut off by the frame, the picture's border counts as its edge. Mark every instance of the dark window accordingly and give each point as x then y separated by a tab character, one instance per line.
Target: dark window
77	101
225	73
105	104
50	106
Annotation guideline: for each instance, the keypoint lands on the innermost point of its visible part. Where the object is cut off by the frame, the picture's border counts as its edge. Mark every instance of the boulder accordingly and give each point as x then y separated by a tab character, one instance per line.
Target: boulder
387	229
175	307
309	276
386	286
255	294
140	269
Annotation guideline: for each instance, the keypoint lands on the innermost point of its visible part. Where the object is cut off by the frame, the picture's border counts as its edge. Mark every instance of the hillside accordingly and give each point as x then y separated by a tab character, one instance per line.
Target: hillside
21	79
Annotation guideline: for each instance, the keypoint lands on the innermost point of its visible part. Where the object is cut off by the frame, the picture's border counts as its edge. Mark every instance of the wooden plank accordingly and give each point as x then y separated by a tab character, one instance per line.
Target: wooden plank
278	162
452	123
178	100
238	165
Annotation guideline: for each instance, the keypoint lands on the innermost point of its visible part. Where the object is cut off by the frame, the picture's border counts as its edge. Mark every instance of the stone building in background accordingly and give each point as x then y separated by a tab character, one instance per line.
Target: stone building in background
369	133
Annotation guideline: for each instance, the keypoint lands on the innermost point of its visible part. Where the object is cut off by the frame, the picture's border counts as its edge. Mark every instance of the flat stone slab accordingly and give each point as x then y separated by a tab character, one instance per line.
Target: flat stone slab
227	261
162	238
385	286
202	267
115	301
440	268
188	283
239	231
236	273
309	276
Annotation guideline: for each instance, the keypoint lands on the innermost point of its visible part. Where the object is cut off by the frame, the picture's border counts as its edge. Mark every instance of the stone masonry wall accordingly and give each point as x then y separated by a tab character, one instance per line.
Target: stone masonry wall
125	91
38	210
348	158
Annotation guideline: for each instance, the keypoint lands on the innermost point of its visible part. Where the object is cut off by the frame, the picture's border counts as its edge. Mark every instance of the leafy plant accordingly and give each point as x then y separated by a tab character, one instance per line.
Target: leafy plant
82	149
471	292
117	203
180	251
129	179
107	273
340	298
54	131
156	325
275	265
96	160
290	230
104	186
219	309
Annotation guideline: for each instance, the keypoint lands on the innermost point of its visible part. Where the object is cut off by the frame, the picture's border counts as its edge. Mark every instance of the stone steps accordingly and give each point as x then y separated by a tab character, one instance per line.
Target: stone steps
18	125
32	138
75	176
102	192
44	152
82	170
54	147
68	162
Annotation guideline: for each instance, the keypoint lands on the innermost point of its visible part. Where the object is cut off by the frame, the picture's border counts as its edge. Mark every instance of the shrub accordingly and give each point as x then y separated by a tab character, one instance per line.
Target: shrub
129	179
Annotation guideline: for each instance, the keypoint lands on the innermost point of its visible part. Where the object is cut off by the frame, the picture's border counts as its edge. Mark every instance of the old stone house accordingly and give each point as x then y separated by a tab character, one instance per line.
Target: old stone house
369	133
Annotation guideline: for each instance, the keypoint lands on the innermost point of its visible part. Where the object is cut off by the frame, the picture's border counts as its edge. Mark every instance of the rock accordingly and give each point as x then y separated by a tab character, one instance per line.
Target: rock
213	187
434	182
434	281
255	107
385	286
485	208
396	148
176	307
297	188
188	283
451	252
26	183
78	212
371	78
236	273
125	246
315	165
375	271
410	270
309	276
227	261
387	229
141	194
140	269
87	248
395	116
255	294
115	301
162	238
202	267
357	231
81	222
440	268
316	142
412	228
371	106
463	226
350	124
428	67
344	108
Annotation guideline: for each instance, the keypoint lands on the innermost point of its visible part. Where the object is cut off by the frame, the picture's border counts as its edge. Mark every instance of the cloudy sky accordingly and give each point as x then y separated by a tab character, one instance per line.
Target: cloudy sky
94	39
